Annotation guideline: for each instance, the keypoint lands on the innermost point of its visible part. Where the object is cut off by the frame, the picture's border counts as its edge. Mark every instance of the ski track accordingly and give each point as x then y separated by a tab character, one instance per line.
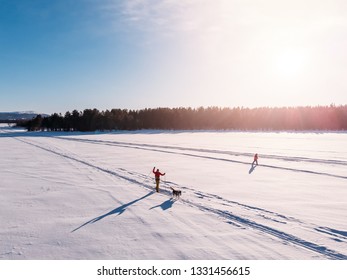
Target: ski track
175	150
212	199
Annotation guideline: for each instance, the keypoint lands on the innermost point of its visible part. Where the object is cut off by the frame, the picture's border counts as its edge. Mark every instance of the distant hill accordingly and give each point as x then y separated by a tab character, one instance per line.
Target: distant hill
11	116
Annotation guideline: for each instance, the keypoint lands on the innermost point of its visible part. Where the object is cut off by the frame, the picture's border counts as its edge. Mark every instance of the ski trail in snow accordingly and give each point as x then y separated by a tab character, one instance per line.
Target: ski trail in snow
176	150
248	221
279	234
232	153
112	172
209	204
266	214
338	235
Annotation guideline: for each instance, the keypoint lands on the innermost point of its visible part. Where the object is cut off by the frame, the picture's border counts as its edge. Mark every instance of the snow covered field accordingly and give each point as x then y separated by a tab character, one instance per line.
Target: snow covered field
91	196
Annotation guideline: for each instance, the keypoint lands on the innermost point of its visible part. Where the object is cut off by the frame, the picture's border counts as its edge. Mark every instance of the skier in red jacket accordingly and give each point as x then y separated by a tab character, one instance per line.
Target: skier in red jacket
255	159
157	175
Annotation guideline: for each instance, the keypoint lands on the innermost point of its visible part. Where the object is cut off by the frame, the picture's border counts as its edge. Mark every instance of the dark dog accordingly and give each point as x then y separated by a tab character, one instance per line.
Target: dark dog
176	193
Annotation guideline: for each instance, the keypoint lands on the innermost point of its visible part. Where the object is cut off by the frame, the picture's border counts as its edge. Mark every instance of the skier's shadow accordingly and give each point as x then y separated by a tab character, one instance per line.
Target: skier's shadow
252	168
119	210
165	205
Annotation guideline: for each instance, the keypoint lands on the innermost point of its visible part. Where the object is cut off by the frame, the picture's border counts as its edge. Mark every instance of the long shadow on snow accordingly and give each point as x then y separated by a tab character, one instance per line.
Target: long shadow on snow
165	205
119	210
252	169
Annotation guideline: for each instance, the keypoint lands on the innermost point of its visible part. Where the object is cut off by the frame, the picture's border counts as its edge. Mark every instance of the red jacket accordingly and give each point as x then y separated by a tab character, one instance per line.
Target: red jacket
157	173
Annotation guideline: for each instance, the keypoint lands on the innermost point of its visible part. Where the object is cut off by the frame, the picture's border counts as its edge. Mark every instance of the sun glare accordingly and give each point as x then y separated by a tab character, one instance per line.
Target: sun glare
290	63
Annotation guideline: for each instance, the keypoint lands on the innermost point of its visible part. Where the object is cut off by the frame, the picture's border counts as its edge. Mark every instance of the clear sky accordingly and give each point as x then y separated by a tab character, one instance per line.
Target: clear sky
56	56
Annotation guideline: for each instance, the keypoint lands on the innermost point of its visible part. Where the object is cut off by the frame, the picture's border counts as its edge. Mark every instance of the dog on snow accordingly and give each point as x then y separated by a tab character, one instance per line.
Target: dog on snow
175	193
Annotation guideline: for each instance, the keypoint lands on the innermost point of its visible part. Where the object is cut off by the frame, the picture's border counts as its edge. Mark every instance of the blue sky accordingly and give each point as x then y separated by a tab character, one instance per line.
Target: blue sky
56	56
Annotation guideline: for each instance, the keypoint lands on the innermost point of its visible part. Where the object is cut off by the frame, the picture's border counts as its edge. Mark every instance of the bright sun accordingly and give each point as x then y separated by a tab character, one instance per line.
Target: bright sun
290	63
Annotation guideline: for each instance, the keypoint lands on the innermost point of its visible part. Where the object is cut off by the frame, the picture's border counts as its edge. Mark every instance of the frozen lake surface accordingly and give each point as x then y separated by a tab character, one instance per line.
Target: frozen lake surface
91	196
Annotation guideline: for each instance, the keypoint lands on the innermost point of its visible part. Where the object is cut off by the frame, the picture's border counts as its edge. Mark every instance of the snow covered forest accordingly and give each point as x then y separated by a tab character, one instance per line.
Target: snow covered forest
288	118
73	195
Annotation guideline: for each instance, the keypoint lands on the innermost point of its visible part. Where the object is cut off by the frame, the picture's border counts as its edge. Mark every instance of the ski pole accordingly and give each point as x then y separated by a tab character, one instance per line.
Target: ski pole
165	181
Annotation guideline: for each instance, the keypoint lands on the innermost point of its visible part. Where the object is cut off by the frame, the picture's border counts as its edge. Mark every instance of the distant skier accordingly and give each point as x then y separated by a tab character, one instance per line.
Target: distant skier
255	161
157	175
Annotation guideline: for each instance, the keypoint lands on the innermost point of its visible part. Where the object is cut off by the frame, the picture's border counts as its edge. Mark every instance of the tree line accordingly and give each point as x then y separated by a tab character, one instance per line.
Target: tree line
211	118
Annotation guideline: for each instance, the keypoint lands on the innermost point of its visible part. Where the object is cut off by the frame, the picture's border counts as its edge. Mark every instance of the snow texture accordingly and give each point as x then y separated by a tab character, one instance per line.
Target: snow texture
91	195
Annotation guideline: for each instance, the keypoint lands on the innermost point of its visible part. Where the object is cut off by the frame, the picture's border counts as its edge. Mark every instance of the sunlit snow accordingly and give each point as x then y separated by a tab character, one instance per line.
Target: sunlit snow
92	195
